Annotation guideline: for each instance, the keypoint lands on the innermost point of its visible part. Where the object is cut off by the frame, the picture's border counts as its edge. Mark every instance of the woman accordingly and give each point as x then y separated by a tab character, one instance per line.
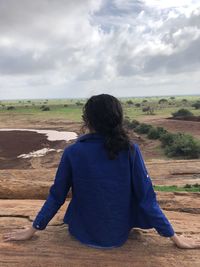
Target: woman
111	189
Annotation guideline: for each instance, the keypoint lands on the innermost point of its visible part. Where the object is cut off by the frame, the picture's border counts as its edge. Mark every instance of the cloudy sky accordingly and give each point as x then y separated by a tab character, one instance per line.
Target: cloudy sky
77	48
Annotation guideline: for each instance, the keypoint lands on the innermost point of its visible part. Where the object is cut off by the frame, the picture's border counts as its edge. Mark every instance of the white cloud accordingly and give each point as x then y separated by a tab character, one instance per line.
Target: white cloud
72	48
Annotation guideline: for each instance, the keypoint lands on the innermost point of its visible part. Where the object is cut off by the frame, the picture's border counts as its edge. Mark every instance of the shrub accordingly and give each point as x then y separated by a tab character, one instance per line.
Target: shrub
134	124
10	107
153	133
167	139
137	105
143	128
162	101
156	132
182	113
183	145
187	186
161	130
196	105
130	124
78	103
65	105
45	109
129	102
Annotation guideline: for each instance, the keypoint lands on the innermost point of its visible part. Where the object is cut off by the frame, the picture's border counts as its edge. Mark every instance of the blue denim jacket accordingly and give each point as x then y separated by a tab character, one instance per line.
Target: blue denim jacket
109	197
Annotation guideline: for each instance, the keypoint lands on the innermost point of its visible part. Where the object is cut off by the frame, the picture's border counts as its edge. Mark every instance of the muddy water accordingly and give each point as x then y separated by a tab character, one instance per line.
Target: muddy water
52	135
17	145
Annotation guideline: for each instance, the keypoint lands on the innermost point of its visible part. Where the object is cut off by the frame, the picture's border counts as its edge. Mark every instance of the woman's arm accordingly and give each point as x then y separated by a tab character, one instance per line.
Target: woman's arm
56	198
146	196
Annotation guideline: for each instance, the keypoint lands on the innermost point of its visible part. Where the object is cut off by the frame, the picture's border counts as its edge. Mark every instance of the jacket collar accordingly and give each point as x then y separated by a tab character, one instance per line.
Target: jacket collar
89	136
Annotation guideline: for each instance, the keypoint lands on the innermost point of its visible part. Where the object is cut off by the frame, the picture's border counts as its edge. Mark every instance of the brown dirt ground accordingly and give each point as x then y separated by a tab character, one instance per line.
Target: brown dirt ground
190	127
54	246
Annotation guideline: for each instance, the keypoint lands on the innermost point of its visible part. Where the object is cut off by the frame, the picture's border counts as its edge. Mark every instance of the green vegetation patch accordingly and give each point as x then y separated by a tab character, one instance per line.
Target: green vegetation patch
174	188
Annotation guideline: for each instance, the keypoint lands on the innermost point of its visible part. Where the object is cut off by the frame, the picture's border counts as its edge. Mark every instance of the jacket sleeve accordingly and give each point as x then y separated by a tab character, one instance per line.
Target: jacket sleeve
57	193
143	189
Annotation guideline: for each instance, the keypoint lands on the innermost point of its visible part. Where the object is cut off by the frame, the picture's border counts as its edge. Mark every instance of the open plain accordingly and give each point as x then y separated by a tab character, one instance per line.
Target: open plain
24	185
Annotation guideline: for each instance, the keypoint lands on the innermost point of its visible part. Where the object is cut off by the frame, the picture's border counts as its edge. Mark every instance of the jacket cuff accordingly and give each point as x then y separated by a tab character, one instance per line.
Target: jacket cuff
39	224
168	233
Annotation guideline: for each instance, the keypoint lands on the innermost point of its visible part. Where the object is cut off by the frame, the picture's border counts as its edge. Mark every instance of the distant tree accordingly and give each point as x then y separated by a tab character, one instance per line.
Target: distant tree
137	105
129	102
144	101
163	101
65	105
182	113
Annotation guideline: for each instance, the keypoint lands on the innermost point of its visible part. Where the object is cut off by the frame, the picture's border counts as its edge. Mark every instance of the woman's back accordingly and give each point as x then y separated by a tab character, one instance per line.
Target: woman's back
99	212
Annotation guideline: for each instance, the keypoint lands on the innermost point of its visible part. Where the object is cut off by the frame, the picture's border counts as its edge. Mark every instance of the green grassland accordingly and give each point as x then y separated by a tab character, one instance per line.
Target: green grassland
71	109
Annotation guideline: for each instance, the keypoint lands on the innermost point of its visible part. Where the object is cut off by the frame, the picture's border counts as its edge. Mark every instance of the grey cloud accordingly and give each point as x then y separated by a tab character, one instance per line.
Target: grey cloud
183	61
94	40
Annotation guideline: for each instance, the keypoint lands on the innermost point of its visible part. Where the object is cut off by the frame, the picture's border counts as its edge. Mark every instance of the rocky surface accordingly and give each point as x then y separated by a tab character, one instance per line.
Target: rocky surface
54	246
34	183
24	186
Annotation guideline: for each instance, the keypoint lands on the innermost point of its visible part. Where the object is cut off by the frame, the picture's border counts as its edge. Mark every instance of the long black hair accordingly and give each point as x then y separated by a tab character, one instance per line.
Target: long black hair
104	114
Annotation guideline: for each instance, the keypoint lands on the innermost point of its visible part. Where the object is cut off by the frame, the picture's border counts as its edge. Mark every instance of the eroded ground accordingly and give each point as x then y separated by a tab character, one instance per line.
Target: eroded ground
24	187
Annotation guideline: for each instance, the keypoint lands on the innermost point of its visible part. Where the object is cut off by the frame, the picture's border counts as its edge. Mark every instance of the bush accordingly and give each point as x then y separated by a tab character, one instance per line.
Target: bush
161	130
162	101
65	105
10	107
183	145
143	128
156	132
134	124
43	106
137	105
130	124
196	105
129	102
153	133
182	113
45	109
167	139
78	103
187	186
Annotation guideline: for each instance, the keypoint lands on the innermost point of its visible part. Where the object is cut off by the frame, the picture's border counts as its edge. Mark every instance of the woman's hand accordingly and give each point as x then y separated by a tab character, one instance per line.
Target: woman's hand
184	242
23	234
